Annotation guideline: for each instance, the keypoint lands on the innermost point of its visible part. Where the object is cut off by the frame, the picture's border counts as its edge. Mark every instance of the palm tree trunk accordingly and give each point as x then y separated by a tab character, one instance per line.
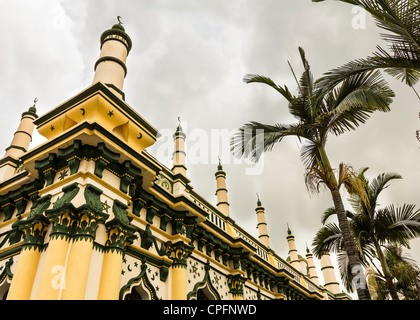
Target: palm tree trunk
348	239
350	246
387	273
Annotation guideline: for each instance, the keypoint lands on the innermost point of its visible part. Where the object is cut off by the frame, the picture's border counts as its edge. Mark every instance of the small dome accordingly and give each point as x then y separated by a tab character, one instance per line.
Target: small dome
118	26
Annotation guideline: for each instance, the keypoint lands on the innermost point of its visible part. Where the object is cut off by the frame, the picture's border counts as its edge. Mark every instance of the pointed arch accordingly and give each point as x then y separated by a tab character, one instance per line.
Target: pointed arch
205	287
141	281
5	279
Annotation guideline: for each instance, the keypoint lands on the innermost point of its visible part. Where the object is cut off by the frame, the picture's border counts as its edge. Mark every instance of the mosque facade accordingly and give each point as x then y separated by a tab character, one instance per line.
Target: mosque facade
90	214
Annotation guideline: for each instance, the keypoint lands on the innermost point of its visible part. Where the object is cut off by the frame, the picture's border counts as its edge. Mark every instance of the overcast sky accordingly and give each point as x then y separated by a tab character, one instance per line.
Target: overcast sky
188	60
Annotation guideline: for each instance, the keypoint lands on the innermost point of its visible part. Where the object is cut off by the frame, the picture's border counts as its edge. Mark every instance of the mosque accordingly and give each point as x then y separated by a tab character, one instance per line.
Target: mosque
90	214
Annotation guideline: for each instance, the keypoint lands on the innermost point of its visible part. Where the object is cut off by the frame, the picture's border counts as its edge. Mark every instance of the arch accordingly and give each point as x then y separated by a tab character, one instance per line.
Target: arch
138	292
204	289
142	286
5	279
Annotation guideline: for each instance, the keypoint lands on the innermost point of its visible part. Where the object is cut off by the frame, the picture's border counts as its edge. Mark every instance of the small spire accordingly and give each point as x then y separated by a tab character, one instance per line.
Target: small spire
258	201
179	128
219	167
33	108
288	230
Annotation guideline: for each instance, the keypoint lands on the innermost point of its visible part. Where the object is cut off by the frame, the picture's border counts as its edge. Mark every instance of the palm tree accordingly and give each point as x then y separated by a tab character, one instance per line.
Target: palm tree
373	229
319	113
401	20
405	273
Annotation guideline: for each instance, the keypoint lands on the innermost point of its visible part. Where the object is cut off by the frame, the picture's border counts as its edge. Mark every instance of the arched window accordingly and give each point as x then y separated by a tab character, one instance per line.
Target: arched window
138	293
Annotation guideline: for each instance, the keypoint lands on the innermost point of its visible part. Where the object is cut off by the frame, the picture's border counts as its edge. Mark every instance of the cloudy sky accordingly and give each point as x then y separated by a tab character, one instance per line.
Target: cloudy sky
188	60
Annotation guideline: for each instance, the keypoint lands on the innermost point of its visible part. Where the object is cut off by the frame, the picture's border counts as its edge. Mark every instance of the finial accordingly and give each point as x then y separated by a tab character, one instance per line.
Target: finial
35	101
219	167
119	20
288	229
179	120
258	201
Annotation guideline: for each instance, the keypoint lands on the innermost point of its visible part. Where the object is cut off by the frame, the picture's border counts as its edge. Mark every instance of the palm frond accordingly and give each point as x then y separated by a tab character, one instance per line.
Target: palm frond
331	212
327	239
397	224
256	78
400	20
254	138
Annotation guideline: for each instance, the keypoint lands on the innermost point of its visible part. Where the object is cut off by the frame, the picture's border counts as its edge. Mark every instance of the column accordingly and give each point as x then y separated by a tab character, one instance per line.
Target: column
294	257
179	154
180	252
221	191
119	235
262	224
111	67
311	267
330	281
78	263
52	278
27	265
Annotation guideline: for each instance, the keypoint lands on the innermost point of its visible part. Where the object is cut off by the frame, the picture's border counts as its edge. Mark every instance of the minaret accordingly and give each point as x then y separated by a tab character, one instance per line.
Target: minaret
262	225
330	281
294	258
179	152
311	267
221	191
19	145
111	68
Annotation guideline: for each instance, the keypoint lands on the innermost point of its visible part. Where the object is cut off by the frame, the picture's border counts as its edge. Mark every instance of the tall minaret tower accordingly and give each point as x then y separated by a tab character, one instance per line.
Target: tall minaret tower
111	68
311	267
262	225
221	191
19	145
179	152
330	281
294	258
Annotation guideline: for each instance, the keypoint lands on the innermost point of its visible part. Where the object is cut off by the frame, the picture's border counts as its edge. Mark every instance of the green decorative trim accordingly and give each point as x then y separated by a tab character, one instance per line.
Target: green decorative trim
179	134
24	132
9	159
205	282
92	196
8	210
12	146
35	226
119	234
236	285
116	30
130	172
102	90
120	213
63	213
116	89
151	212
142	276
70	192
7	272
180	252
146	238
45	168
39	207
163	265
113	59
90	214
